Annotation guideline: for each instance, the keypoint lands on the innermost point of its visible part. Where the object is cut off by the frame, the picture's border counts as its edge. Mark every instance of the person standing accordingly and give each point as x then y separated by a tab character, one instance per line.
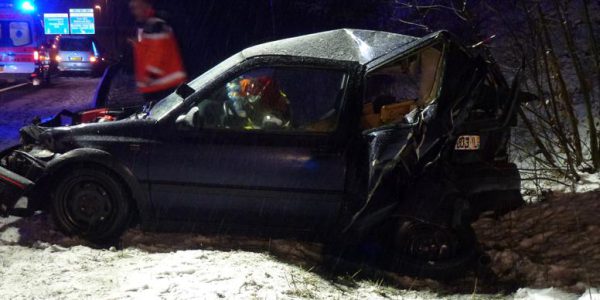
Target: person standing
158	64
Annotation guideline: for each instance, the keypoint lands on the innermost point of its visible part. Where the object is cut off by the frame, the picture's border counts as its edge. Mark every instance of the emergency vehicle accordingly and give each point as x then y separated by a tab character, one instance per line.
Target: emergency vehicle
23	51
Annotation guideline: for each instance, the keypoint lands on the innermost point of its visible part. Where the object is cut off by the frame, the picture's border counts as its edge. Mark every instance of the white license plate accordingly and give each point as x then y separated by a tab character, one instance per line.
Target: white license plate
76	58
468	143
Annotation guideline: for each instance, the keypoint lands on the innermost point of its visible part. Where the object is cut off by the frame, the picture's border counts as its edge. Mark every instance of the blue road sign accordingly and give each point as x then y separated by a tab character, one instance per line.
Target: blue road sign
82	21
56	23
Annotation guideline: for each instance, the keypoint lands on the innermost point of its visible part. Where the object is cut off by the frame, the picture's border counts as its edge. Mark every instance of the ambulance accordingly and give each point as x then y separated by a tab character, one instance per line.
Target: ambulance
24	54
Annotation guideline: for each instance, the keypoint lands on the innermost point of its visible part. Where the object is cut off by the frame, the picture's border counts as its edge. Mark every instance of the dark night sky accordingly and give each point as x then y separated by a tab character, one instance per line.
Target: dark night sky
211	30
63	5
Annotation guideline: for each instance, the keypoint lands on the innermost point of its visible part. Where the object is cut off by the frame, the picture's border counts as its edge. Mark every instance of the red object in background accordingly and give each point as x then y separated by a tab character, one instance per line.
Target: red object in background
94	115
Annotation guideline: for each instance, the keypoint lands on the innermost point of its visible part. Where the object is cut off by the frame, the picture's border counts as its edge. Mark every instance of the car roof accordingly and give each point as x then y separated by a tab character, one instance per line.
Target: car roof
353	45
350	45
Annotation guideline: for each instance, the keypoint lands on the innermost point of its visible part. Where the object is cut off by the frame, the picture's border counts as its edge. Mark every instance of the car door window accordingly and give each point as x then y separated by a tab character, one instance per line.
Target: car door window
276	99
397	88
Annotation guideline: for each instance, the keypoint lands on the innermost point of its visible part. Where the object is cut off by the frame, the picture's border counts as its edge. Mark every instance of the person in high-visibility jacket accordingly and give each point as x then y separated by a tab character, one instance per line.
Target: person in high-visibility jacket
258	102
158	65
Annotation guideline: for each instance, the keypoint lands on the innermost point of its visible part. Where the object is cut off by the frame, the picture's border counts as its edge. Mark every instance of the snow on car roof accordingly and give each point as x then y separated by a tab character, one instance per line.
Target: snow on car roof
355	45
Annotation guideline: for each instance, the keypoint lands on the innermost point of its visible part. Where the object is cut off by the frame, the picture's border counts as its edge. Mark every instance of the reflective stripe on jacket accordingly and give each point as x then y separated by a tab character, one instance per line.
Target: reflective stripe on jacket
158	63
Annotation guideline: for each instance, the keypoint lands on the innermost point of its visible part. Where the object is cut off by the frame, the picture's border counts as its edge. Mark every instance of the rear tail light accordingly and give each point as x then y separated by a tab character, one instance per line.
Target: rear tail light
58	58
93	59
36	55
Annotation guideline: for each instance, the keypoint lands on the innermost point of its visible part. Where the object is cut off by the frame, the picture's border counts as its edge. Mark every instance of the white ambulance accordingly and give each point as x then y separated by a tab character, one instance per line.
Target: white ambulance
23	54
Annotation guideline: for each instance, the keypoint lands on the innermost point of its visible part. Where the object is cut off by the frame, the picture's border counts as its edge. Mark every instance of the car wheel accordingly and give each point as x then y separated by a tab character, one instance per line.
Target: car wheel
92	204
427	250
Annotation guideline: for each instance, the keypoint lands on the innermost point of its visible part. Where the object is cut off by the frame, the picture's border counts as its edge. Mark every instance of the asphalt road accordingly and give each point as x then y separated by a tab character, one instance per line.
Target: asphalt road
20	105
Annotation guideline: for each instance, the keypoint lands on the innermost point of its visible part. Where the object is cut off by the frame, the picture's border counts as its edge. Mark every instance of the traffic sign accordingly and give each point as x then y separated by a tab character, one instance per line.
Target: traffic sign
56	23
82	21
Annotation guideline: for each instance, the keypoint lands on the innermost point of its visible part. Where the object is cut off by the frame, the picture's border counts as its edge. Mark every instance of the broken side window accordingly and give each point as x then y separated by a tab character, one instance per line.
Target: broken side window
402	85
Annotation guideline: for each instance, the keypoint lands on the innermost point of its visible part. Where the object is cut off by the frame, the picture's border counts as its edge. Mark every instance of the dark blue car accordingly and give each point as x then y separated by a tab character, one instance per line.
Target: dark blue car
354	137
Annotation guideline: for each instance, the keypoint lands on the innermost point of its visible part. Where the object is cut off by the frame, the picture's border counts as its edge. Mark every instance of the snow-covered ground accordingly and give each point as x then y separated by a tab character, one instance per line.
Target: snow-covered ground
37	262
32	269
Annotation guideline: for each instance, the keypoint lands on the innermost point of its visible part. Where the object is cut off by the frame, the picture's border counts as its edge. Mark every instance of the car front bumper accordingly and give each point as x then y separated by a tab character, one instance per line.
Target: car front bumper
22	71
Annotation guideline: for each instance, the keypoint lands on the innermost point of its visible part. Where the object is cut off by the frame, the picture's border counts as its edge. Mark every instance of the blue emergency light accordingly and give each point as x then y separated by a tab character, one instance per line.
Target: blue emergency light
26	6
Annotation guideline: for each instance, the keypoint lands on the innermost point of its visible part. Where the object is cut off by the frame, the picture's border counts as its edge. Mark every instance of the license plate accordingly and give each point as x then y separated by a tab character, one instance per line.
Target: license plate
76	58
468	143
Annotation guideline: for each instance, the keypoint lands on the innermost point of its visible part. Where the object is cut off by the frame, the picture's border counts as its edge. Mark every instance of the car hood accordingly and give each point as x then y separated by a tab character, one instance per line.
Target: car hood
92	135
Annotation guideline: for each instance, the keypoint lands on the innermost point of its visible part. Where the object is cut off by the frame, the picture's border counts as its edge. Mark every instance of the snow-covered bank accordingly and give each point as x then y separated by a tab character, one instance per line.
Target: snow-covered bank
551	243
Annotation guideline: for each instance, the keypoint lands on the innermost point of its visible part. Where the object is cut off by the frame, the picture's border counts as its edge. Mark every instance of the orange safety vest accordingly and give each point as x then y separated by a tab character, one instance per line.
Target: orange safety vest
158	63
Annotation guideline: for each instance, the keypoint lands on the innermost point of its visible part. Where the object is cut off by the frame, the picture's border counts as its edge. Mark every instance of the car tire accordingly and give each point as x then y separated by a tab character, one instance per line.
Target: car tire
91	203
463	257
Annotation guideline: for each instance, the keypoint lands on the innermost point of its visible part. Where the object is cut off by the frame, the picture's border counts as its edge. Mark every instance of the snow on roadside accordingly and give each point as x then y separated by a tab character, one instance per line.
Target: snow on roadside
41	270
531	188
58	267
554	294
534	181
81	272
9	234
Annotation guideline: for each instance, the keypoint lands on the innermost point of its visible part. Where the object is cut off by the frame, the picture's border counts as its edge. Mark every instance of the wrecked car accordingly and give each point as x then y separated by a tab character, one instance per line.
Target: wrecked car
353	137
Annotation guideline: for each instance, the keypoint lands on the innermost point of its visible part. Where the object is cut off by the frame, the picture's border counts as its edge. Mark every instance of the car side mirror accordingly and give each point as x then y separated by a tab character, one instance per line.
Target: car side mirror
190	120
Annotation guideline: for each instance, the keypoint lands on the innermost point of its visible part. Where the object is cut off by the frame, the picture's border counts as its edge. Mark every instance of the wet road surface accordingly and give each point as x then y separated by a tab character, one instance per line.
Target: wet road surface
20	105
